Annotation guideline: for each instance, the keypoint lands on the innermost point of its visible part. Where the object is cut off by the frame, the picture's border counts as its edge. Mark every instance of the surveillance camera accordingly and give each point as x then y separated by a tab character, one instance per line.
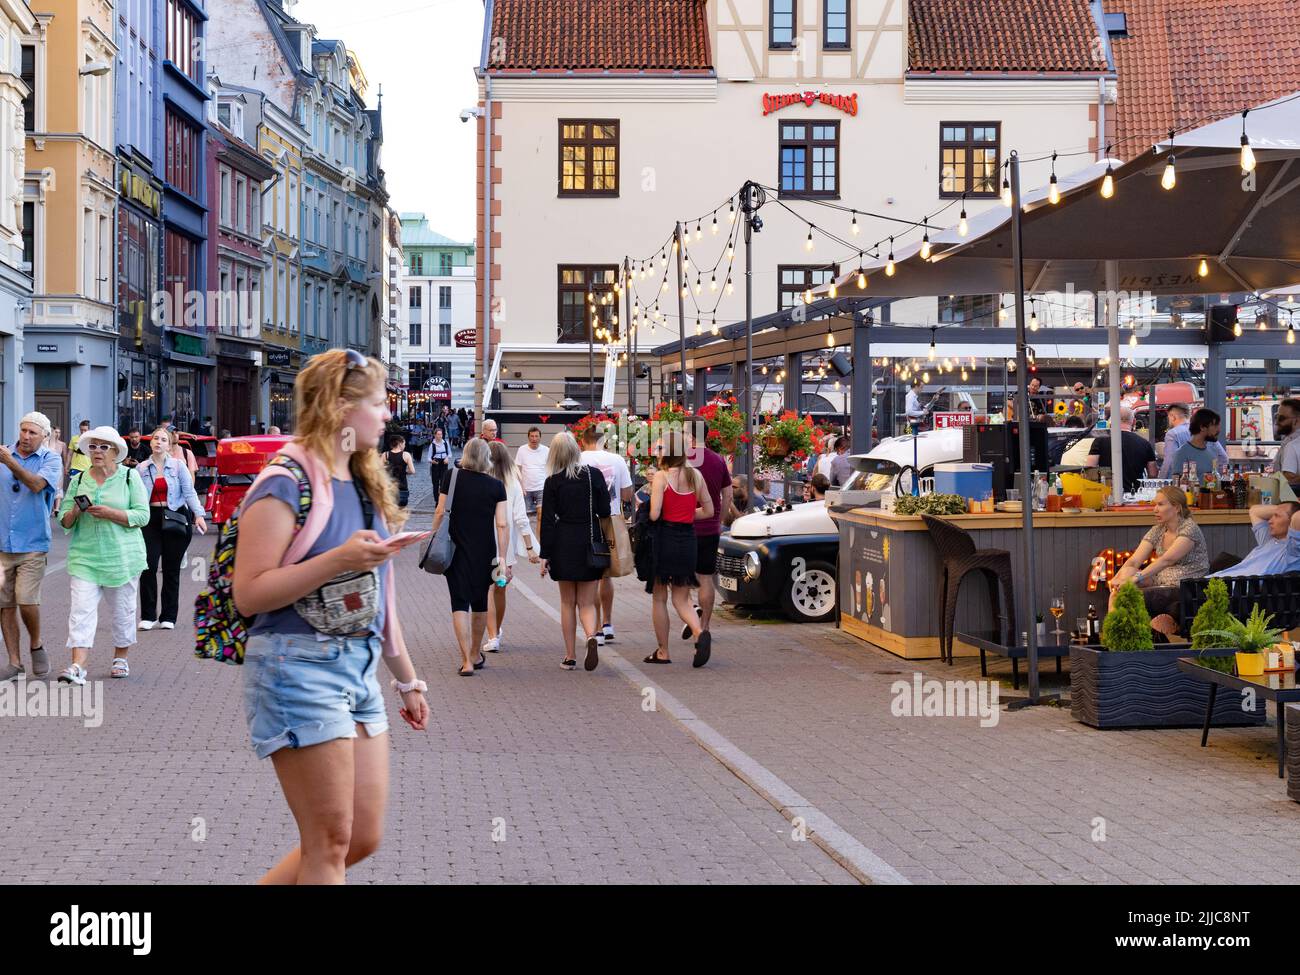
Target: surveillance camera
466	114
757	223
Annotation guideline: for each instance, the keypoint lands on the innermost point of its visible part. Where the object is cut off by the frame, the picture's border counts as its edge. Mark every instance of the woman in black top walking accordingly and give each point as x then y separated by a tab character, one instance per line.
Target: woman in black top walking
574	499
399	465
479	529
439	458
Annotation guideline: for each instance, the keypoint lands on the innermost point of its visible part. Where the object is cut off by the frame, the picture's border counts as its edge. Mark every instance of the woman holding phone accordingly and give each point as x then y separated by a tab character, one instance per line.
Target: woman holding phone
103	511
311	693
174	512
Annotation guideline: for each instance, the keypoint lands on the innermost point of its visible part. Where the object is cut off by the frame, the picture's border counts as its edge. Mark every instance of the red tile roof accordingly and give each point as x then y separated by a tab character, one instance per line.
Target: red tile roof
1003	36
600	35
1189	61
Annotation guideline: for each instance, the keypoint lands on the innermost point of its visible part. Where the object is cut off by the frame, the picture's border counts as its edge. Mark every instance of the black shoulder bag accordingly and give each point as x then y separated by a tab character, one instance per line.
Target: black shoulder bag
598	553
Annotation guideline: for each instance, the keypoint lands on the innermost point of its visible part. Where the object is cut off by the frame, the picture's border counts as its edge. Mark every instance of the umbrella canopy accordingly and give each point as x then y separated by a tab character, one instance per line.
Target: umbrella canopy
1245	228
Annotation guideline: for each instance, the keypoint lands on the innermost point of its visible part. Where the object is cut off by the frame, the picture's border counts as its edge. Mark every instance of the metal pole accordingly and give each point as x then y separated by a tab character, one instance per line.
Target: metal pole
681	308
1022	418
486	394
627	333
1111	304
591	357
748	454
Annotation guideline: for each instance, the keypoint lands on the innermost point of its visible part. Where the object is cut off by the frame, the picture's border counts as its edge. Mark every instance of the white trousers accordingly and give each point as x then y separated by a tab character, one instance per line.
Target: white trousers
83	617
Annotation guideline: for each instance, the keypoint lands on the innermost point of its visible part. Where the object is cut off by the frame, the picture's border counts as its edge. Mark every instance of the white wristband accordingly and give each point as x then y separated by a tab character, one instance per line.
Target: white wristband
415	685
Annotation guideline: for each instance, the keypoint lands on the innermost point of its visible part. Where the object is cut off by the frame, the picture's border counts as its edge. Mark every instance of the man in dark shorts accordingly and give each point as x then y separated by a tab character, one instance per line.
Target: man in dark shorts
707	530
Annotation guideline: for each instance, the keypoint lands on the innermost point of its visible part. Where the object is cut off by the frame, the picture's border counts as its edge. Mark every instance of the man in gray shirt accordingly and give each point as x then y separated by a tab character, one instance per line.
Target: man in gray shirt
841	470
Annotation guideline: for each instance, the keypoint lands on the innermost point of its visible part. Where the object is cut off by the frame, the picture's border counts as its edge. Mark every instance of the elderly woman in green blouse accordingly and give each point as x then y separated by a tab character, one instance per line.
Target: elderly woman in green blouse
104	510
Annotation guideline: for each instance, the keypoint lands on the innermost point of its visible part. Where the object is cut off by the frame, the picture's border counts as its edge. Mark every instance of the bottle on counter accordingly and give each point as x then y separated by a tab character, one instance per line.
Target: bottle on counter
1094	625
1240	489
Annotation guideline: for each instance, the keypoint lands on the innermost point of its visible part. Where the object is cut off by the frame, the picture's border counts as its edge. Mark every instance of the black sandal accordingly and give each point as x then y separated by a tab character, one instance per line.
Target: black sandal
482	661
464	673
568	664
703	648
654	659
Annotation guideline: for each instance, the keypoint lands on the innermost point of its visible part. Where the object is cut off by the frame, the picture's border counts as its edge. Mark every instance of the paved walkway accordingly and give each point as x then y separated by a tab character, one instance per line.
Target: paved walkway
780	762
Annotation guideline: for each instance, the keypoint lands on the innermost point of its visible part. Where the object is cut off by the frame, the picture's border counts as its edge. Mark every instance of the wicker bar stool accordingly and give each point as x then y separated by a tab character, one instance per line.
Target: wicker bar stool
960	556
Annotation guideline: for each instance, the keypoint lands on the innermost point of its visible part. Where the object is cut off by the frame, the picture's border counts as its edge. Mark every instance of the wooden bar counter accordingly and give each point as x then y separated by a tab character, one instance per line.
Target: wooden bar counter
890	578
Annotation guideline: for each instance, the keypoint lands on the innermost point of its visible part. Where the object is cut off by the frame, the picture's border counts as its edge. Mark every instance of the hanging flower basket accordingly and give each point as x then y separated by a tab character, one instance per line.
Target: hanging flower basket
726	425
785	440
776	447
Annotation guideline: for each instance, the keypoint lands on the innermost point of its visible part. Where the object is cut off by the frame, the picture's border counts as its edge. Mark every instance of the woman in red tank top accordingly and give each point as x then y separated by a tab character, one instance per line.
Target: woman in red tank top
678	495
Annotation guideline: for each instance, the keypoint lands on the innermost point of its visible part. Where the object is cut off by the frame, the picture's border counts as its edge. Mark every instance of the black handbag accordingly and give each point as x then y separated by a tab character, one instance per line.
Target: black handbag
598	556
175	522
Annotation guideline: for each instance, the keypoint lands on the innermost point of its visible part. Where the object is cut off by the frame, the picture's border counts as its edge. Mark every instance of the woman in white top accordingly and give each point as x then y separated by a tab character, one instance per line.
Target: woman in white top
522	540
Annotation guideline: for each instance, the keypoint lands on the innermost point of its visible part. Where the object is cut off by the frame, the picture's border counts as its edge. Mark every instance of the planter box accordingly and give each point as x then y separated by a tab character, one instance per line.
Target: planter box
1146	690
1293	751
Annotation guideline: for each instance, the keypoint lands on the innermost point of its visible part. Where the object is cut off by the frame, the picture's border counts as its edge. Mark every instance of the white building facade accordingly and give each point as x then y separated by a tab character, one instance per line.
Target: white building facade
863	118
438	339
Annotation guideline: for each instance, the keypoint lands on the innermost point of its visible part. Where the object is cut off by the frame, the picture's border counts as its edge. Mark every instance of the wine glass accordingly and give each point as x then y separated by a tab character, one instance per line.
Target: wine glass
1058	610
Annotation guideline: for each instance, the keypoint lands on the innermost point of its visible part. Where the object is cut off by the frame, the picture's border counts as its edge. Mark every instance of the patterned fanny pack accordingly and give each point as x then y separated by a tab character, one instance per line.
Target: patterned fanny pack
348	602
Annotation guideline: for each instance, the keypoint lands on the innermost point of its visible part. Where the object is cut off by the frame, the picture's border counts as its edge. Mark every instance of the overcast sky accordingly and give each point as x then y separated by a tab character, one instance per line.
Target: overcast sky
423	52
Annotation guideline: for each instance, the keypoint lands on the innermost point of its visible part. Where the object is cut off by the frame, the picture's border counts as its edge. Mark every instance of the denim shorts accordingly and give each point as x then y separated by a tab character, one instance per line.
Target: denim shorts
301	691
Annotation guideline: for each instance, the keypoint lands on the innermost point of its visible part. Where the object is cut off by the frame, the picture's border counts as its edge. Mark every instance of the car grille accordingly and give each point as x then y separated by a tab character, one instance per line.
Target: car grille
730	565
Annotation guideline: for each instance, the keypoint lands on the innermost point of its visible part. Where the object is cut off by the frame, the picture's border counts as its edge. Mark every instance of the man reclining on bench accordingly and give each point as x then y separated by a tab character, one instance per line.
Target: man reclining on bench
1276	528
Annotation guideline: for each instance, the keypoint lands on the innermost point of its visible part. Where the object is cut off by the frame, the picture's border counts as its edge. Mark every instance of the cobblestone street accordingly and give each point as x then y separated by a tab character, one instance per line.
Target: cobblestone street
581	783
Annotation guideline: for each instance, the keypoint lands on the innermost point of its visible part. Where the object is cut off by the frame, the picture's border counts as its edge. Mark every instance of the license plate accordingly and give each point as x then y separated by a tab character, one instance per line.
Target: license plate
728	583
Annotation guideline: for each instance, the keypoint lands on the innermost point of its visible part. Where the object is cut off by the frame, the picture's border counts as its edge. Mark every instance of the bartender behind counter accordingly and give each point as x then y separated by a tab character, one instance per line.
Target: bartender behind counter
1139	457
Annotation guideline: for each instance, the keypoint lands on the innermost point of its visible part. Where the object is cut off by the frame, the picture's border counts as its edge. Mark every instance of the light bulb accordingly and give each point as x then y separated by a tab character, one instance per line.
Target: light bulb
854	226
1168	178
664	286
1203	269
1002	314
889	266
686	289
830	342
807	296
714	327
713	282
963	228
925	377
697	326
963	374
714	227
1006	192
731	212
731	288
730	251
1247	155
808	245
698	286
932	351
1133	340
925	246
763	370
862	280
1263	324
698	232
1053	191
1290	336
1108	185
833	289
1236	329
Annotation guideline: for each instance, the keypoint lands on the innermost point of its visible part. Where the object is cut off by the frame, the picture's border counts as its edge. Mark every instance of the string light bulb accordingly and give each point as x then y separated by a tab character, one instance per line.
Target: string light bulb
713	325
889	266
1236	329
830	340
932	347
963	228
731	288
1033	317
1247	154
731	211
713	282
1169	178
964	377
698	232
925	246
1108	183
1290	335
1053	188
1133	339
1203	269
862	279
808	245
925	377
714	228
807	296
834	289
854	226
1006	191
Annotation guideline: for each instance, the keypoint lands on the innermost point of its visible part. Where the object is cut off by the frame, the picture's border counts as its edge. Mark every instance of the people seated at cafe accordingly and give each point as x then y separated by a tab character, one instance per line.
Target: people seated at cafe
1139	457
1276	528
1198	448
739	501
1179	432
815	488
762	498
1179	548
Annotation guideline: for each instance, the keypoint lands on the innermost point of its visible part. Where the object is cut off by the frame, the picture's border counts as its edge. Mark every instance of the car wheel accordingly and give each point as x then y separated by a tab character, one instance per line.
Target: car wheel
810	598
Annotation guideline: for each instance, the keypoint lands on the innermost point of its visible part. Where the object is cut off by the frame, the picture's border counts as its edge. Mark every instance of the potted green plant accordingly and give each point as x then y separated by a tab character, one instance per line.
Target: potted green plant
1212	618
1128	681
1249	640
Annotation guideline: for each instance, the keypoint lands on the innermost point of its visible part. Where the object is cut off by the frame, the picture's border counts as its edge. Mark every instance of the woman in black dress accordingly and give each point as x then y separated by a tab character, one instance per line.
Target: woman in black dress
574	499
479	529
399	465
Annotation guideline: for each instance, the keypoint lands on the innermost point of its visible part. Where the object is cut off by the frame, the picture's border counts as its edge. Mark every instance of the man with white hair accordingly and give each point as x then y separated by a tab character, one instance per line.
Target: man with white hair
30	475
489	430
1139	456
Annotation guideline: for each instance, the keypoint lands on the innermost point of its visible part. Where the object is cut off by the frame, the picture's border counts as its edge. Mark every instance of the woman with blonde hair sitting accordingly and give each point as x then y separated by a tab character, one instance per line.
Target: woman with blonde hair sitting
1179	548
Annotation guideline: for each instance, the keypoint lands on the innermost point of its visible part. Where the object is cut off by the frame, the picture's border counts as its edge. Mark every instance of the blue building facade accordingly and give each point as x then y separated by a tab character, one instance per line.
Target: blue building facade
188	365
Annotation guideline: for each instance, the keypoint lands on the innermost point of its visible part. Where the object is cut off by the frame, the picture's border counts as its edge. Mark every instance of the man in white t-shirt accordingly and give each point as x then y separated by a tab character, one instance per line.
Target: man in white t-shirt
531	461
618	479
1286	423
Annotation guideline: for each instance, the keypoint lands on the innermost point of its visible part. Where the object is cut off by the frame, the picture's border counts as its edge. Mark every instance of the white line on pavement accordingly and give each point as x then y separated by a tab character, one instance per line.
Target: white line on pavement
837	842
56	566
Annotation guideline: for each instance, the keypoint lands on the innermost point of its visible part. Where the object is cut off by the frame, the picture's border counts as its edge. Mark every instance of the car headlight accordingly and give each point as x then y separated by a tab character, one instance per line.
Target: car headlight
753	566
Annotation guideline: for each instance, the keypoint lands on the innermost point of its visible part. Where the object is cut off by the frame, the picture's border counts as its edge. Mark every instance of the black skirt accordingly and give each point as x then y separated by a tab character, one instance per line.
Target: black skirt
672	555
567	555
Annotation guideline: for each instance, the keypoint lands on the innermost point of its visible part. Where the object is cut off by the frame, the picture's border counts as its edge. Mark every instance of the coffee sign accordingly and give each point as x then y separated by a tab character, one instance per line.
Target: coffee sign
466	338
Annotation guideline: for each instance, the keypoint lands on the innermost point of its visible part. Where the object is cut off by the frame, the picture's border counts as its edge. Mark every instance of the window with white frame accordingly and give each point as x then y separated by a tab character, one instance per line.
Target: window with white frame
225	197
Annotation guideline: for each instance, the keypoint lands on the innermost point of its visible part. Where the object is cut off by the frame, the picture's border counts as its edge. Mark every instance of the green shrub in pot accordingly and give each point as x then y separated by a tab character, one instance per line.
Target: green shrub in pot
1211	619
1127	627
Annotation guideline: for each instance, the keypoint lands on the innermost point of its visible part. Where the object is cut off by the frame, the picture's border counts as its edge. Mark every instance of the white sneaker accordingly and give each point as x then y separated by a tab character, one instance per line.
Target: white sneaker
75	674
167	626
148	624
607	634
492	646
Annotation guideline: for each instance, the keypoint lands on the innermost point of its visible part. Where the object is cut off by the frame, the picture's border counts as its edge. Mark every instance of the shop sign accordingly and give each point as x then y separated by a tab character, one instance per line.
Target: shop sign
864	588
466	338
527	387
848	104
277	357
944	420
47	348
438	387
187	344
140	191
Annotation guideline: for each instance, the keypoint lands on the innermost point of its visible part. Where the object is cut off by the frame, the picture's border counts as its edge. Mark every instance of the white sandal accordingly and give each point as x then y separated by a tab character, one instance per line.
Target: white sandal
120	668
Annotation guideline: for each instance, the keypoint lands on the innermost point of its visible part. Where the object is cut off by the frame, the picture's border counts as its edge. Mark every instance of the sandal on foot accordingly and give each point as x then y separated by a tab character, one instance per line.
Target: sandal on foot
465	673
482	661
74	674
654	658
568	664
593	655
703	647
120	668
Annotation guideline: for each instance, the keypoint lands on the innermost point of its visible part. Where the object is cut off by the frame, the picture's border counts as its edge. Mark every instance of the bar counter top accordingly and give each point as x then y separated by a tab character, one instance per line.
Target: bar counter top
1012	520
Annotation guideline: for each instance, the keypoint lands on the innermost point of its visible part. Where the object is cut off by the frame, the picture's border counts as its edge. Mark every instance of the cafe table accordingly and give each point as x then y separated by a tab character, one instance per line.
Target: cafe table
1278	687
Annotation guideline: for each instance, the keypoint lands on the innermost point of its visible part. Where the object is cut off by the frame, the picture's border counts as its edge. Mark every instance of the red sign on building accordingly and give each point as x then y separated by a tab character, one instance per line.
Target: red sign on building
466	338
845	103
943	420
